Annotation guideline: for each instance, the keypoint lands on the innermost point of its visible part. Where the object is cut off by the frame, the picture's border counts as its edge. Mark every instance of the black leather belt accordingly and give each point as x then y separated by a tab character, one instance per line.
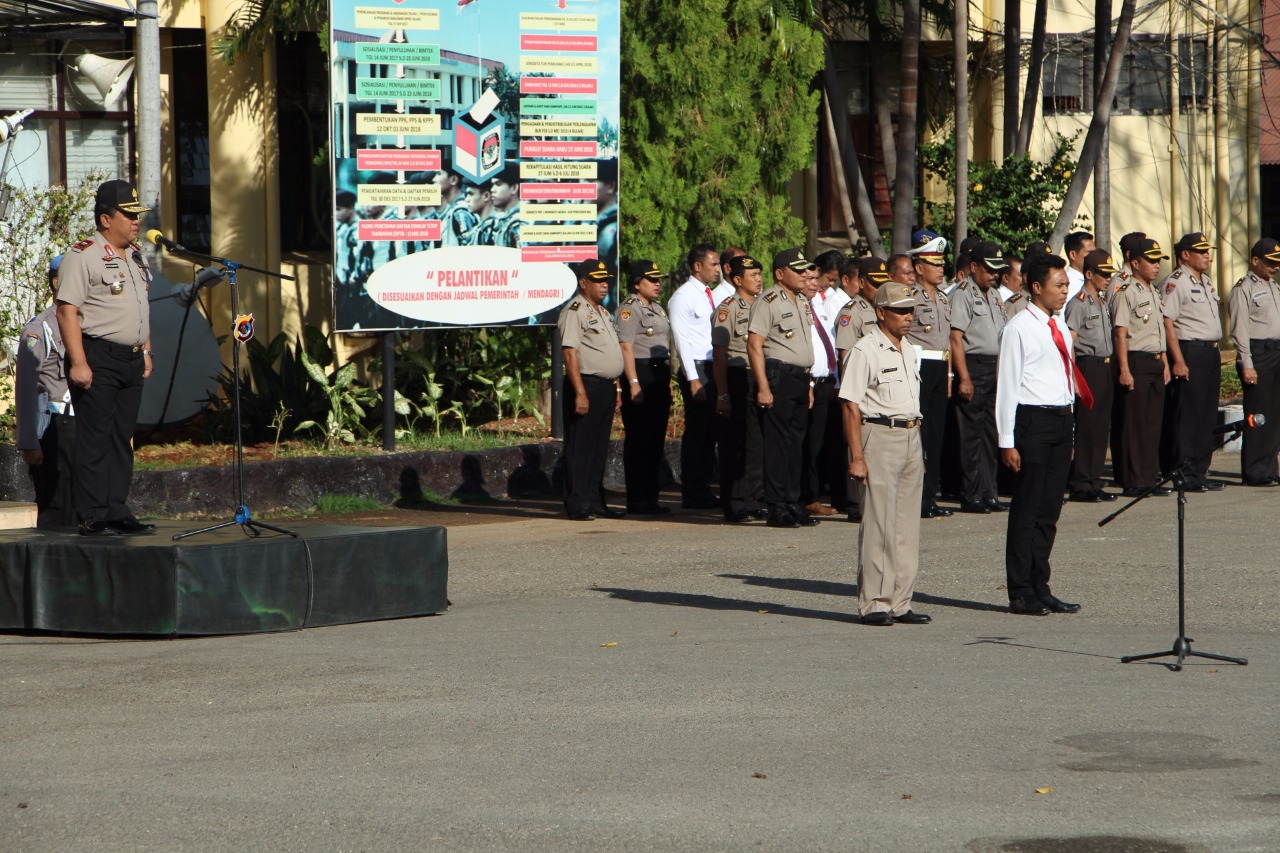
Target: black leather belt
902	423
1137	353
1052	410
773	363
112	346
1093	359
823	380
979	358
1263	344
1205	344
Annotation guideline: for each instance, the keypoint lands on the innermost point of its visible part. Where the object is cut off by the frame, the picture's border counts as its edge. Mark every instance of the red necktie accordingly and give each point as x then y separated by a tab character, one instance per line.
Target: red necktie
826	341
709	299
1082	387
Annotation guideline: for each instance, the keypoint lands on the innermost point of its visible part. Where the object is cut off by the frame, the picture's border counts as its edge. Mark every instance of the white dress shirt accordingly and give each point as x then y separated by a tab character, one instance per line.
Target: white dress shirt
723	291
1075	281
1031	371
836	299
690	309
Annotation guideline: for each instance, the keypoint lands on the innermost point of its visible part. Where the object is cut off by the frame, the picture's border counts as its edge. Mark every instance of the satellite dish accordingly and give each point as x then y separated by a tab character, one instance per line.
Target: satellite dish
197	365
96	80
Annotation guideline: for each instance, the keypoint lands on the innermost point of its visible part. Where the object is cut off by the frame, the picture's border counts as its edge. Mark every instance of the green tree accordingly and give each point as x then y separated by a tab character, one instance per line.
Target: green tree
718	112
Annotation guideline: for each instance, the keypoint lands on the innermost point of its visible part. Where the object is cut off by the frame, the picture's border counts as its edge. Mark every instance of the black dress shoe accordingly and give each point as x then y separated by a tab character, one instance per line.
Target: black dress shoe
779	517
1138	491
581	516
854	517
131	526
1262	484
1104	496
1028	607
880	617
1057	605
913	618
95	527
1214	485
978	508
934	511
802	516
610	513
648	509
996	505
1089	497
737	517
759	514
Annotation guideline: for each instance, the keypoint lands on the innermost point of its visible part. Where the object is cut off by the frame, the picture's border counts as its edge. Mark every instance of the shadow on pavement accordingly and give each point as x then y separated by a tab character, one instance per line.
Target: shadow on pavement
715	602
850	590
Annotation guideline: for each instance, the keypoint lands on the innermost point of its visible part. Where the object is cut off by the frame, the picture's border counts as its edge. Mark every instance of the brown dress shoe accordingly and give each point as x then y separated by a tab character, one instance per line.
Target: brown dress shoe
816	508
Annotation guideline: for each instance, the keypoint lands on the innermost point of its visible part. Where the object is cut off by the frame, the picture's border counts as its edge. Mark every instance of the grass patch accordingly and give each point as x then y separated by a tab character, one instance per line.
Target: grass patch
1231	387
346	503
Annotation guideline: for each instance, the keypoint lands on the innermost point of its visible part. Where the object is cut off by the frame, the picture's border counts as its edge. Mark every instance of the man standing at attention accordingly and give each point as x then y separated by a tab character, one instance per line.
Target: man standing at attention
1034	398
105	321
1090	321
881	390
1254	305
690	310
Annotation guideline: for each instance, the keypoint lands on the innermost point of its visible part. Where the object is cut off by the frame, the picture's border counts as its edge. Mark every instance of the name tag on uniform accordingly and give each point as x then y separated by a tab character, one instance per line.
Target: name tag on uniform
1143	304
888	370
786	314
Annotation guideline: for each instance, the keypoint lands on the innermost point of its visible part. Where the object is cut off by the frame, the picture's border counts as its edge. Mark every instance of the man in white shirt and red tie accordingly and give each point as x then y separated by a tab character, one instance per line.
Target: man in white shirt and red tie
690	310
1038	382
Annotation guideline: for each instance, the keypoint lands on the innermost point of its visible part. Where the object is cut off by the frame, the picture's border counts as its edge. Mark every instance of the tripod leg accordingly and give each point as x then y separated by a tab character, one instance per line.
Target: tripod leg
204	530
1149	656
1212	656
264	526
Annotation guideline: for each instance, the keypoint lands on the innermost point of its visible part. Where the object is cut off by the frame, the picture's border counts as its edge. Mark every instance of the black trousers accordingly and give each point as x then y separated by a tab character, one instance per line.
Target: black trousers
1044	440
1191	411
586	445
1093	425
106	417
977	422
740	446
645	424
51	479
933	408
1139	463
836	462
1261	444
782	428
698	444
815	437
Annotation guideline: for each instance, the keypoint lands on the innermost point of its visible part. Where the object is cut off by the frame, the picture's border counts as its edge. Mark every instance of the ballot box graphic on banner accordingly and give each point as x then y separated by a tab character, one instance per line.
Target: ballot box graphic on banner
477	140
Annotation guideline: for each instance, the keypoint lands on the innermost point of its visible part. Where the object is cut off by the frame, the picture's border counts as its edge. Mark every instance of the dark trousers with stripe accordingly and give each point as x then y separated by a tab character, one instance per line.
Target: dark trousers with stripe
1093	426
698	443
1258	459
1044	439
933	408
586	445
1191	411
645	424
106	416
51	479
977	421
740	447
1139	463
815	437
782	428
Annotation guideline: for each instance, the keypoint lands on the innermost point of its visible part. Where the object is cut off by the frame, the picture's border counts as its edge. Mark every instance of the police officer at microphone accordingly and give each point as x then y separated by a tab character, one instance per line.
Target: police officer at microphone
1254	306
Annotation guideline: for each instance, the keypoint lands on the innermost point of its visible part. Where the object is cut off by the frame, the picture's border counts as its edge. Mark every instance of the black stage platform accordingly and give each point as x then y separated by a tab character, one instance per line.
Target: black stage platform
219	583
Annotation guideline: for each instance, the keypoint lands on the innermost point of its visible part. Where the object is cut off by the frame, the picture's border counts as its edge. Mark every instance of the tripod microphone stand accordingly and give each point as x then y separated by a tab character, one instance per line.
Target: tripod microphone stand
1186	470
242	515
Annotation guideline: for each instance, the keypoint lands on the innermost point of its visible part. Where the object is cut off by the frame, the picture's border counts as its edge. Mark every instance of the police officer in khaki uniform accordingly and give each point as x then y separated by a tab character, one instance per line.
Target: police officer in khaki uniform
780	352
977	317
737	425
930	333
1254	306
592	363
1089	319
858	316
105	322
1193	325
1139	330
881	390
644	336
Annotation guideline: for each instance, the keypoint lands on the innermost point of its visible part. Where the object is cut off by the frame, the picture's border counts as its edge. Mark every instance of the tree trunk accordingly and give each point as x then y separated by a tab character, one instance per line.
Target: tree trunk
961	36
884	123
904	187
1097	129
837	166
1012	71
1033	79
1102	172
834	92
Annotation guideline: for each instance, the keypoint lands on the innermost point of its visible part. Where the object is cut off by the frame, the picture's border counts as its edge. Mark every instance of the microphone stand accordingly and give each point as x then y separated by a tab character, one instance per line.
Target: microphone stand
1182	645
242	515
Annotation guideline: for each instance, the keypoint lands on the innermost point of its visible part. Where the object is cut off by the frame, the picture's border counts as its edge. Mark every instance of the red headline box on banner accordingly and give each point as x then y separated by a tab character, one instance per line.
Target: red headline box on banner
547	192
558	86
400	229
557	254
558	149
557	42
424	160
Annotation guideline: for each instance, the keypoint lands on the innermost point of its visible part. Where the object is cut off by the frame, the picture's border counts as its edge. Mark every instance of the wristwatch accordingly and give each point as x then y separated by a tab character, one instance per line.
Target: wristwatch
724	398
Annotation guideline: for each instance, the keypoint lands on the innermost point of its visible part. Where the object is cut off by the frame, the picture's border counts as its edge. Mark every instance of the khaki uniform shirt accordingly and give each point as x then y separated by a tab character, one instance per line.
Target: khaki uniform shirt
1090	319
855	319
645	327
931	325
1014	304
41	378
783	319
883	380
1254	308
1136	307
729	329
980	316
1192	303
109	289
589	330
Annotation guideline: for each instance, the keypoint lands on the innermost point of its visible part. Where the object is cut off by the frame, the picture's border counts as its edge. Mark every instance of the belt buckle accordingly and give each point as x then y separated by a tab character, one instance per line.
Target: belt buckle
1106	359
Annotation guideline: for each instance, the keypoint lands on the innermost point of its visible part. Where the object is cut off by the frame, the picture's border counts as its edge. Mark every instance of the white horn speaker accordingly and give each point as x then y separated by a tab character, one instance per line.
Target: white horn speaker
109	78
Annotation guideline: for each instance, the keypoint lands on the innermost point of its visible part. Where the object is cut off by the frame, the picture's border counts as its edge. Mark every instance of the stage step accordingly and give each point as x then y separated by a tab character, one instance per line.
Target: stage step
15	515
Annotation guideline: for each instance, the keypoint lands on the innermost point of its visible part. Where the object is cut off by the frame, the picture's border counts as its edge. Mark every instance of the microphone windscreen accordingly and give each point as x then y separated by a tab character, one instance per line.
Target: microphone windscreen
154	236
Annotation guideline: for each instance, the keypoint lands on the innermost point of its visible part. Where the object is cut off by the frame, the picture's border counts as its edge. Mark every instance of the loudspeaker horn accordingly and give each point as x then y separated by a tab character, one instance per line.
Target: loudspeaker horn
109	77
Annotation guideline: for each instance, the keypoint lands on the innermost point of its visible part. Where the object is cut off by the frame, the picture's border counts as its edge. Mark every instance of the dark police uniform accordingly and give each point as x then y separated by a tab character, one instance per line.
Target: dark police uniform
110	292
741	447
1191	405
46	417
1090	319
980	317
644	325
1136	308
930	332
589	330
1254	306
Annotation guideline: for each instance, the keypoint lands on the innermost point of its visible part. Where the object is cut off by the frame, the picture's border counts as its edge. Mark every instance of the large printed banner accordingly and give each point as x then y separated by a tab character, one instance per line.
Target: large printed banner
474	148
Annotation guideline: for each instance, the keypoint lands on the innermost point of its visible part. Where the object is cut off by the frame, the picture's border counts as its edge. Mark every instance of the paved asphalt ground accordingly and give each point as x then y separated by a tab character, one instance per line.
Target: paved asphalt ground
685	685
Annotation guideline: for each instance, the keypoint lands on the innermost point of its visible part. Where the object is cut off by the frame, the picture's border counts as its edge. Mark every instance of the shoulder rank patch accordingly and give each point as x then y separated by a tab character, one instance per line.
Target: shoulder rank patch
1124	285
728	300
574	306
1176	273
723	315
625	315
1082	295
82	245
771	296
631	300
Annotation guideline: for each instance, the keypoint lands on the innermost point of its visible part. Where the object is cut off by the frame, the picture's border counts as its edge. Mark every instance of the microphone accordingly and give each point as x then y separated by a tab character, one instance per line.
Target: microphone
12	123
1240	425
156	238
207	277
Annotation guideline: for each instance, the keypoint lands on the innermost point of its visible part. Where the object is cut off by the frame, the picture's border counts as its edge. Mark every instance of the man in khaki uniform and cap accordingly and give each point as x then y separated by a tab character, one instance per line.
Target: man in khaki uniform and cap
1138	326
930	333
881	390
780	351
592	364
1193	325
645	337
1254	306
737	426
1089	319
105	321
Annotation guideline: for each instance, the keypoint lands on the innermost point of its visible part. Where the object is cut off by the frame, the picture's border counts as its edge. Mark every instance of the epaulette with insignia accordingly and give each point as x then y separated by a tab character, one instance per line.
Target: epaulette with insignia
1017	297
82	245
728	300
771	296
574	306
1082	295
1124	285
631	300
1176	273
